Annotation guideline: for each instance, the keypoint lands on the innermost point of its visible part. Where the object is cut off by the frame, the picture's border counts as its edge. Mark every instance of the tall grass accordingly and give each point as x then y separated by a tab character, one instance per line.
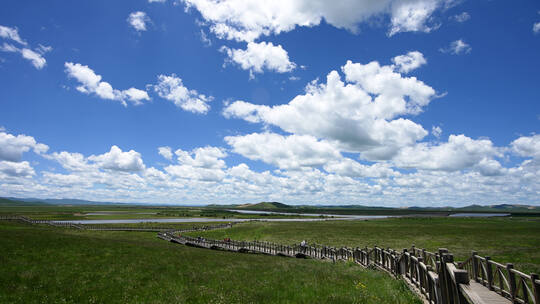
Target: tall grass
52	265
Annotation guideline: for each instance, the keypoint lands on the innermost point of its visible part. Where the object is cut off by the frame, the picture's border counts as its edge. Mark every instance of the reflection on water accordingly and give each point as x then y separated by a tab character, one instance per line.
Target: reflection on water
478	214
340	216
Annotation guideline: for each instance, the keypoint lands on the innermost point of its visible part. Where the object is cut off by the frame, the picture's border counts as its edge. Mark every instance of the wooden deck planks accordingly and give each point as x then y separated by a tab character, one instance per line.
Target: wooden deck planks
479	294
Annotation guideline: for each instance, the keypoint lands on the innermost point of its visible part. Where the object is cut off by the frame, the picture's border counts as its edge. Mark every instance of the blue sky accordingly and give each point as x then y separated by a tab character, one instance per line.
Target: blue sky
395	103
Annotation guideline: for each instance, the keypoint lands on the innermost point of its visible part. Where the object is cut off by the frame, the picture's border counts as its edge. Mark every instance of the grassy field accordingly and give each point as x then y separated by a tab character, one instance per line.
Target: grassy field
53	265
514	240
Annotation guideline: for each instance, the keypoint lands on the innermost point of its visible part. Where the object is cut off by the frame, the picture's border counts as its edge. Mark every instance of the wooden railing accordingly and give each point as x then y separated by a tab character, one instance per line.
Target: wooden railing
503	279
434	276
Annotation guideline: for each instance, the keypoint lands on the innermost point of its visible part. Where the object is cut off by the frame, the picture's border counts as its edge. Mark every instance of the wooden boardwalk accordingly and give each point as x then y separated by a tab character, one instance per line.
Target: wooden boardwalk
435	277
479	294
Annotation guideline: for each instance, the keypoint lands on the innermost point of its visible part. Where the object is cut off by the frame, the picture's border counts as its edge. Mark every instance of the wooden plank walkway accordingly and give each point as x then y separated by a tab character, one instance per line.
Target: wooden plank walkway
424	282
479	294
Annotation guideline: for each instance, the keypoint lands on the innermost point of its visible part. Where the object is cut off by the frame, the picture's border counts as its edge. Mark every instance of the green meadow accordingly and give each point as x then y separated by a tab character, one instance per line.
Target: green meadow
53	265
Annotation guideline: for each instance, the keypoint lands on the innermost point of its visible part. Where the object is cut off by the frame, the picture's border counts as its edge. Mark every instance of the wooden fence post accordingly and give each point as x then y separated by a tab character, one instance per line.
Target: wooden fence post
474	262
448	258
441	271
511	281
403	263
367	256
462	277
489	271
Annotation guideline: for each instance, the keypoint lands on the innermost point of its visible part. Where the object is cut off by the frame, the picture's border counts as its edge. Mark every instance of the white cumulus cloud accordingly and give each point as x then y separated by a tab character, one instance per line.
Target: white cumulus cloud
527	146
460	152
361	115
165	152
247	20
118	160
16	169
12	147
285	152
90	83
409	62
138	20
201	164
172	88
261	56
413	16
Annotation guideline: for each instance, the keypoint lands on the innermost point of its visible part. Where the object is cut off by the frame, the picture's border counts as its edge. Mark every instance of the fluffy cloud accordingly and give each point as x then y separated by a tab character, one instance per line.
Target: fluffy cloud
527	146
350	168
412	16
284	152
206	157
34	56
536	28
172	89
361	115
202	176
138	21
37	60
16	169
460	152
202	164
70	161
165	152
66	180
457	47
11	33
409	62
248	20
12	147
261	56
118	160
91	84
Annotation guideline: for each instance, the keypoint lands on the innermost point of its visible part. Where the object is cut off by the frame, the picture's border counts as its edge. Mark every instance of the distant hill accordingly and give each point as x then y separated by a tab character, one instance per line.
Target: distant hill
264	206
12	202
501	208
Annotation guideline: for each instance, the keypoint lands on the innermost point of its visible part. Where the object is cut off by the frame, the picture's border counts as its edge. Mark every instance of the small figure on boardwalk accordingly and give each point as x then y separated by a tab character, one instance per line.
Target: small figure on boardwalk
303	243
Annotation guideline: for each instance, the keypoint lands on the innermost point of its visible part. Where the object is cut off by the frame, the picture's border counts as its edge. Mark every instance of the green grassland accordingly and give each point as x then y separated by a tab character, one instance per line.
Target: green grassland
54	265
515	240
